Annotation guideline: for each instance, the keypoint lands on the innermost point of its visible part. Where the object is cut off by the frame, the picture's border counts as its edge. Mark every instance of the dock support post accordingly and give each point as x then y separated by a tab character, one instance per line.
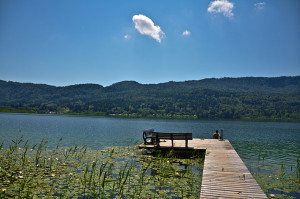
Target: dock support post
186	143
157	140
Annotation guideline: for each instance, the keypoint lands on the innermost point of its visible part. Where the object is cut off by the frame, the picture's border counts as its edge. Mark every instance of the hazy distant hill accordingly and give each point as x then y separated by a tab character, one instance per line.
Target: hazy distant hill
232	98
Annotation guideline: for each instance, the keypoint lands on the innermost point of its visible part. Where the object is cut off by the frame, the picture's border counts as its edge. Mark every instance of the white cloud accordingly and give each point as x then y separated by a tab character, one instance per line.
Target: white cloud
145	26
126	36
221	6
186	33
260	5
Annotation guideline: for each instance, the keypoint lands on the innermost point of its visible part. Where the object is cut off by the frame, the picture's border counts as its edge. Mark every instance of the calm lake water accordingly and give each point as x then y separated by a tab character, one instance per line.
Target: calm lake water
276	142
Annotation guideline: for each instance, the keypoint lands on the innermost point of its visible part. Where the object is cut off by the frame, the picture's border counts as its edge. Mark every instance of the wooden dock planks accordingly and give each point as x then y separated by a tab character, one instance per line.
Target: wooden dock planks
224	174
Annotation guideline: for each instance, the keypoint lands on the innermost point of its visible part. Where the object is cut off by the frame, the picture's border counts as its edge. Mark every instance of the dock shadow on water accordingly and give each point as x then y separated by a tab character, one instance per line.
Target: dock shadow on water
115	172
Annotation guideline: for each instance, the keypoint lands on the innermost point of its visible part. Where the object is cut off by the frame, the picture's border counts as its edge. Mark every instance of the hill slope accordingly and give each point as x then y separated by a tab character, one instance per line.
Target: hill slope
225	98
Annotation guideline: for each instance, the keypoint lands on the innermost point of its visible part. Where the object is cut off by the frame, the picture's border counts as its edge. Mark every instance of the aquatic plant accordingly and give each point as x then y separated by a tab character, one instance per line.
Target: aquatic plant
115	172
280	180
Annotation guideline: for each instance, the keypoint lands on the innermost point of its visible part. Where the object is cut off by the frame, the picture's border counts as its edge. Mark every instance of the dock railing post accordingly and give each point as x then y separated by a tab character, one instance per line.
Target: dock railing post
221	137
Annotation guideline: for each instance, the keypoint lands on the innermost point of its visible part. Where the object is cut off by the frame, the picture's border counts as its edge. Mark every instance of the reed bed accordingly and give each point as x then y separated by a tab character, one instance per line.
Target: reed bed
34	171
77	172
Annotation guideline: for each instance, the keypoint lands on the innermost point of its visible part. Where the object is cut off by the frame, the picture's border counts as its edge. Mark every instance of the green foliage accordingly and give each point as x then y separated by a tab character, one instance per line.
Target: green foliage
228	98
286	182
75	172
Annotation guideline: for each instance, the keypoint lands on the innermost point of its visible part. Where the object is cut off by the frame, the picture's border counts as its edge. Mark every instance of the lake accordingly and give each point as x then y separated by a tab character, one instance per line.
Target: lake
277	141
259	144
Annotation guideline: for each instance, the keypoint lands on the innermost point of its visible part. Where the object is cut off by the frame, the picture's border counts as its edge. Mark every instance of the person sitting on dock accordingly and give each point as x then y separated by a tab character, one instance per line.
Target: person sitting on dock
216	135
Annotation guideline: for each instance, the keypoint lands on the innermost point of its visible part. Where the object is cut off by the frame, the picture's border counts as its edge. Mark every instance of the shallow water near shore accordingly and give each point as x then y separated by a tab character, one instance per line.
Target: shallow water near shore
265	147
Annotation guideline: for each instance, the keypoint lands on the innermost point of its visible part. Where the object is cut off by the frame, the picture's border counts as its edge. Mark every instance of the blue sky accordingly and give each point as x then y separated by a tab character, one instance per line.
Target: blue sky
60	42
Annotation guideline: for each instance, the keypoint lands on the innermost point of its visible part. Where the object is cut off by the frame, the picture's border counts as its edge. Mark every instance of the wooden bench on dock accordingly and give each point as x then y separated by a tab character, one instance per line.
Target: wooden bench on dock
156	137
172	136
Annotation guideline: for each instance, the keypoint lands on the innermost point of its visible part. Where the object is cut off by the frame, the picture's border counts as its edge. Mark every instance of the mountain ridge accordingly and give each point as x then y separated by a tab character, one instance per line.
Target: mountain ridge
232	83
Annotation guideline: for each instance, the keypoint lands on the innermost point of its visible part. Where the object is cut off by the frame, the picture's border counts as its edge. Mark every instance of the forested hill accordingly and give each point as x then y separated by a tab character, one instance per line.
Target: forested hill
224	98
262	85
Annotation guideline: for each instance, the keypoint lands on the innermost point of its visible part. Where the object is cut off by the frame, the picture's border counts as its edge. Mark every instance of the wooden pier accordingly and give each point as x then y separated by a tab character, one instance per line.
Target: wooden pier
224	174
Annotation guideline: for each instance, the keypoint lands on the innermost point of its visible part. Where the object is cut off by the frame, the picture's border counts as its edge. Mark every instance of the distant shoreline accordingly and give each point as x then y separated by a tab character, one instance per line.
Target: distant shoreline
177	117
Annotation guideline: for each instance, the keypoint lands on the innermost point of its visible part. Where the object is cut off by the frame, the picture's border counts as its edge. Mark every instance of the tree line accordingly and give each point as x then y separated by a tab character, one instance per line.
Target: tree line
211	100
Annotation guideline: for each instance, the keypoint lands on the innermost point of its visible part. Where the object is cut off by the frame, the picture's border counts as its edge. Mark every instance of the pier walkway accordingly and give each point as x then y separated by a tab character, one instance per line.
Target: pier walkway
224	174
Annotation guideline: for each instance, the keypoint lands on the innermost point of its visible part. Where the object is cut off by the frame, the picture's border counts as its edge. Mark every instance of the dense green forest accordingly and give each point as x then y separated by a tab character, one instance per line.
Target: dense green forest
257	98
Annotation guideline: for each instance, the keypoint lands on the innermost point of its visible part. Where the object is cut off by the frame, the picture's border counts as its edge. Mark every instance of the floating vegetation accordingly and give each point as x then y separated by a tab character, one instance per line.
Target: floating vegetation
77	172
280	180
282	184
274	164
